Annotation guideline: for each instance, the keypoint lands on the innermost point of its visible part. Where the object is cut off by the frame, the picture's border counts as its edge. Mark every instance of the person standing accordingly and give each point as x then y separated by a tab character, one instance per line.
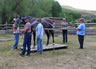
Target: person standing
64	26
39	36
16	34
81	32
27	37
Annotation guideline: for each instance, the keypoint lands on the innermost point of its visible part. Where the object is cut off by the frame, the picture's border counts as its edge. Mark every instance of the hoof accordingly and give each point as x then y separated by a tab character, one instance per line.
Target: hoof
46	44
53	44
33	47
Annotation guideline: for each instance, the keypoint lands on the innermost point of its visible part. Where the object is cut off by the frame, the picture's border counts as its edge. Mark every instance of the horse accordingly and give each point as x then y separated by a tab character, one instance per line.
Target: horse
46	22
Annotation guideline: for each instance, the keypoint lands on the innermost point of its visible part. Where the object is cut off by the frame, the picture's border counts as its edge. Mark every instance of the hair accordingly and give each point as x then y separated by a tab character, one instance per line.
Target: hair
64	19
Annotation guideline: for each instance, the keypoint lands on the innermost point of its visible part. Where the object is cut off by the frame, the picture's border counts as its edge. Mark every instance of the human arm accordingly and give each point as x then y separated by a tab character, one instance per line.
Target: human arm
39	31
78	28
61	27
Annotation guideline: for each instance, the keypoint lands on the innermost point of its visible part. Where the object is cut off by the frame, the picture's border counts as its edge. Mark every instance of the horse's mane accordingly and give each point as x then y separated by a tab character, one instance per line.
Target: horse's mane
47	19
33	20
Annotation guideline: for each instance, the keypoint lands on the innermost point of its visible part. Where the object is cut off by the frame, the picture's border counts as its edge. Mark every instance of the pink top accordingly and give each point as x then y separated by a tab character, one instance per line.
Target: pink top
28	27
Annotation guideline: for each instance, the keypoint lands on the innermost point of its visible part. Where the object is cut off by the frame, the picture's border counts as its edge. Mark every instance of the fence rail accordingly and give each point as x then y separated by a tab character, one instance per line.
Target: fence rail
57	26
8	26
90	29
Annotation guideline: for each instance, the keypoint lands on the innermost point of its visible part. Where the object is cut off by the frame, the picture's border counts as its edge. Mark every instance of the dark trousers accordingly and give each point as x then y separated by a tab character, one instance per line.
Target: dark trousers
65	38
26	43
81	40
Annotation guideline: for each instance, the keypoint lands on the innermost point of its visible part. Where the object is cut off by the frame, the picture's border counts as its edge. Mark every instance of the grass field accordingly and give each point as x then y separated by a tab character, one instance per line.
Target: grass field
71	58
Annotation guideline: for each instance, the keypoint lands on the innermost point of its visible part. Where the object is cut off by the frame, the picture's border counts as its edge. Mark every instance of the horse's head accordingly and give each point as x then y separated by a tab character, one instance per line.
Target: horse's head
17	21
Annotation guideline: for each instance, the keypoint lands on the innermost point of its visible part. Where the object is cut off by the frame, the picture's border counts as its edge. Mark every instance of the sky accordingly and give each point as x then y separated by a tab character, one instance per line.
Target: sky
80	4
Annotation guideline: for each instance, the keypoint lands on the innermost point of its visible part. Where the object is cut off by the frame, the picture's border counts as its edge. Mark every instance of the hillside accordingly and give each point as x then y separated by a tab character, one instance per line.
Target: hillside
86	13
71	9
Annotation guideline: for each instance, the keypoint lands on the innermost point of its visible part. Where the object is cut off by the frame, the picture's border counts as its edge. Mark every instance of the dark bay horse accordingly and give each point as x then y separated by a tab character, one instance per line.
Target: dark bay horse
46	22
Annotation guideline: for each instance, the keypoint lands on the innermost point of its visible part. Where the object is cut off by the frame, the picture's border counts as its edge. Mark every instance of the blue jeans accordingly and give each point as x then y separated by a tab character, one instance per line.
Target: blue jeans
39	46
16	36
65	37
26	43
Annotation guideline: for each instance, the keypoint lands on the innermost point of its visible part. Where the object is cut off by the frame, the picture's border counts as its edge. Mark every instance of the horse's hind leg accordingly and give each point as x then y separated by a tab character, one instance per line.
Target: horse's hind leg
48	36
52	33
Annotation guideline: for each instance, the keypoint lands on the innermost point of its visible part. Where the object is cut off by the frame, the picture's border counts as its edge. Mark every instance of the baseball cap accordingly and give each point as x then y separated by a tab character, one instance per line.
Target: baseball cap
81	19
38	20
25	17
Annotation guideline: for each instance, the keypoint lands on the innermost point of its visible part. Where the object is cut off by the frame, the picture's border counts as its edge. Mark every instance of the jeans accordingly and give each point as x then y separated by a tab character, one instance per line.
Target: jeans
16	36
81	40
26	43
65	38
39	46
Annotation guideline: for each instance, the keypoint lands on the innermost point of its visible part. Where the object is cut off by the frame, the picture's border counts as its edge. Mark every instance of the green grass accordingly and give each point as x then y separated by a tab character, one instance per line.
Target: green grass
71	58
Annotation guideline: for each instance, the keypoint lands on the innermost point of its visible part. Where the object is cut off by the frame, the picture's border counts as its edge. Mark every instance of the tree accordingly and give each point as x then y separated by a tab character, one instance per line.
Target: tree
56	9
71	16
35	8
93	20
9	9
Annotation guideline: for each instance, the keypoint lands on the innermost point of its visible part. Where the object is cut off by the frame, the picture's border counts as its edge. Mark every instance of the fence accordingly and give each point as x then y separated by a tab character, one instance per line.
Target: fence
8	26
90	28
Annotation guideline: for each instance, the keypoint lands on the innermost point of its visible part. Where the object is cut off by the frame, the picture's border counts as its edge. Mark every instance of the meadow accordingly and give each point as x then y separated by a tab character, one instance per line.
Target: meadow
71	58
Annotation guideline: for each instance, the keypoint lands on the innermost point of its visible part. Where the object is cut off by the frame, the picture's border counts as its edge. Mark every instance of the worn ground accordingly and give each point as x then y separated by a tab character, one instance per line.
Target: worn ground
71	58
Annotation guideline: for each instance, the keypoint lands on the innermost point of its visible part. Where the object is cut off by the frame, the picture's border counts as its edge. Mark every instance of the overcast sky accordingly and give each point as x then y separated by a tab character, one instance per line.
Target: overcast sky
80	4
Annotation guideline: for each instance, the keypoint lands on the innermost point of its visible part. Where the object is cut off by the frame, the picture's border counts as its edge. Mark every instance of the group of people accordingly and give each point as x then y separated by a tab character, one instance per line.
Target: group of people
27	37
80	31
39	35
